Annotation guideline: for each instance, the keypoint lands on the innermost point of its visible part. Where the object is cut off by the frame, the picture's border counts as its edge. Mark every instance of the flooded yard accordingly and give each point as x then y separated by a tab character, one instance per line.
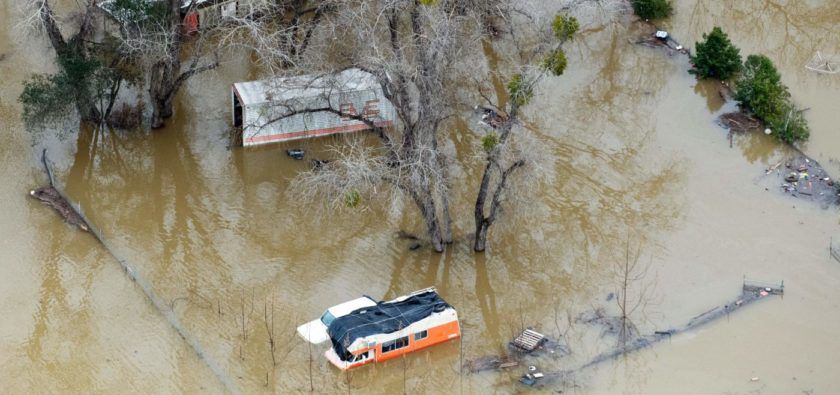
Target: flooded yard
634	155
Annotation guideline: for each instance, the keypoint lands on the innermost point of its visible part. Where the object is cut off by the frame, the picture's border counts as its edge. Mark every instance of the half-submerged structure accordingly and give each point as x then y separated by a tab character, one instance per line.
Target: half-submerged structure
390	329
307	106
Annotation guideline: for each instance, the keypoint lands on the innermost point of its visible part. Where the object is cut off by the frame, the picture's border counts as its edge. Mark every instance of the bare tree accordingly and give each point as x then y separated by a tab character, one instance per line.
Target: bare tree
278	32
412	51
154	38
502	161
633	292
420	54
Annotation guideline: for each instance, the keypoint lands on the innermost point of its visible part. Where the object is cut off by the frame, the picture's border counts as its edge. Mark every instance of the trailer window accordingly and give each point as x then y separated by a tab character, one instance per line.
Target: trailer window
395	344
421	335
327	318
361	356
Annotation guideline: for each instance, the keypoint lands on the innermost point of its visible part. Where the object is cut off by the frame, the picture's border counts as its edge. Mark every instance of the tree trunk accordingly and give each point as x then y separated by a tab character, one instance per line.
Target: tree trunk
85	105
481	228
481	223
447	218
162	83
426	204
165	74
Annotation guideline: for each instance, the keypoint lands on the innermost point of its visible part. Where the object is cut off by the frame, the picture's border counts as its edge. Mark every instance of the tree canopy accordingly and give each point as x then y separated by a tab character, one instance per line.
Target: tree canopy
760	89
652	9
716	56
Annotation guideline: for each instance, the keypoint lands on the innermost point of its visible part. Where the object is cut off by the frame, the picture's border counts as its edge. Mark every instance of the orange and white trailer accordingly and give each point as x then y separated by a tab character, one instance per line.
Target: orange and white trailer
390	329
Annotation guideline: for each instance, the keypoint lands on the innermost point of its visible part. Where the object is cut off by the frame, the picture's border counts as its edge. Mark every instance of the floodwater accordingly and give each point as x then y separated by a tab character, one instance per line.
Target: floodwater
633	154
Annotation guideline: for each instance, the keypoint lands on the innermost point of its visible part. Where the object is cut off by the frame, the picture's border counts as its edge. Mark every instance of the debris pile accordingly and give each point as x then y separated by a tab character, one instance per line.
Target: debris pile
490	362
491	117
751	291
802	176
654	37
529	343
740	122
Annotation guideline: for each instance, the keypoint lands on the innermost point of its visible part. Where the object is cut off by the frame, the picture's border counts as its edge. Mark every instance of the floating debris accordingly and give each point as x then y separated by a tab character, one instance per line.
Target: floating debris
295	153
490	362
52	197
319	164
824	64
805	177
528	340
740	122
751	291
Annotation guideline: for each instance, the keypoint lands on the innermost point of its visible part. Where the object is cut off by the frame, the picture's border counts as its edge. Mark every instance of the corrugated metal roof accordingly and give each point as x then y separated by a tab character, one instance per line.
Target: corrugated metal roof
280	89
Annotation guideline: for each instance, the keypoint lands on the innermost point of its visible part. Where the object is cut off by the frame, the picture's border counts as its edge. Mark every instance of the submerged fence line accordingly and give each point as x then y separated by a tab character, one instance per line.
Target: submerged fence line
146	287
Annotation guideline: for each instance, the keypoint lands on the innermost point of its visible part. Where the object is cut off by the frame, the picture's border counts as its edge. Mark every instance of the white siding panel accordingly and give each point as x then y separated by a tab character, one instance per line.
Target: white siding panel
265	123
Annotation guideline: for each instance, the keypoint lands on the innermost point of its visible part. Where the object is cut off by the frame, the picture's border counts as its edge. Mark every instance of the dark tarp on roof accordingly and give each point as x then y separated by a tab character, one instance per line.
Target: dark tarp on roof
382	318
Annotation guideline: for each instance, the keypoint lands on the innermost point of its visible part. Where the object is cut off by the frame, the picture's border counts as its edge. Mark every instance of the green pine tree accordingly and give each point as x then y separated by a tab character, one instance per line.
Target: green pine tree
652	9
716	56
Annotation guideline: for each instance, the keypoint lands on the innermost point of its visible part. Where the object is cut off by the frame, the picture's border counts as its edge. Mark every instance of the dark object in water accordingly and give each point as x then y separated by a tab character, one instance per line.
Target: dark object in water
405	235
295	153
740	121
491	362
491	117
530	379
51	197
319	164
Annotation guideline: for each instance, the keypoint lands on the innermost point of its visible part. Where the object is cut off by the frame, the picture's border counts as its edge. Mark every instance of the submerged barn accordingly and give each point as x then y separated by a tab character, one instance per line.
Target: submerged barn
293	108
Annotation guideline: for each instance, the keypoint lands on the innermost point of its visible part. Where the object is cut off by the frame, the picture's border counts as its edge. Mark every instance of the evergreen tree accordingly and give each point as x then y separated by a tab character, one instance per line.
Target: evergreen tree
760	89
716	56
652	9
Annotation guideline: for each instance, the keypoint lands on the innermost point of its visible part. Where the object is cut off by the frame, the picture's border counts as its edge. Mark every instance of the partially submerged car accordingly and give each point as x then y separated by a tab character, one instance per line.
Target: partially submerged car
315	331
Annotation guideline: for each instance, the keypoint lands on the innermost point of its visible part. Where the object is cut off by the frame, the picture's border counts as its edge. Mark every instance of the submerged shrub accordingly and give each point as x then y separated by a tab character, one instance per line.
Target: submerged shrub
716	56
761	90
352	198
564	27
652	9
790	126
555	62
489	141
519	90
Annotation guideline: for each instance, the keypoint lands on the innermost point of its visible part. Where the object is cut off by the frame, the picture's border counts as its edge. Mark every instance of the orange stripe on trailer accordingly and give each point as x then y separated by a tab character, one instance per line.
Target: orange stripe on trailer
436	335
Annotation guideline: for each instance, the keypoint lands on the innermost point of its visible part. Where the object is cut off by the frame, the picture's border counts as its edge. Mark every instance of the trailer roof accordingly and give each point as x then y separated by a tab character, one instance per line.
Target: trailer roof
385	317
280	89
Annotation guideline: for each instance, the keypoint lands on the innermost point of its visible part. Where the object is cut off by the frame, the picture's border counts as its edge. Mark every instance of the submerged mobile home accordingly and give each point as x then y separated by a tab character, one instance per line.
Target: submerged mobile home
307	106
390	329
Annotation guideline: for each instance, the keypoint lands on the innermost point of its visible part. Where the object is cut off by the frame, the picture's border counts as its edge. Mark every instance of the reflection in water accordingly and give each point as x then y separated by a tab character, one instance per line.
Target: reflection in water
711	90
758	147
789	30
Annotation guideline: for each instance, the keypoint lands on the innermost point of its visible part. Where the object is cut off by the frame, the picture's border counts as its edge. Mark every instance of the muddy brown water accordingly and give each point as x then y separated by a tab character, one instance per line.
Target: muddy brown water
634	153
